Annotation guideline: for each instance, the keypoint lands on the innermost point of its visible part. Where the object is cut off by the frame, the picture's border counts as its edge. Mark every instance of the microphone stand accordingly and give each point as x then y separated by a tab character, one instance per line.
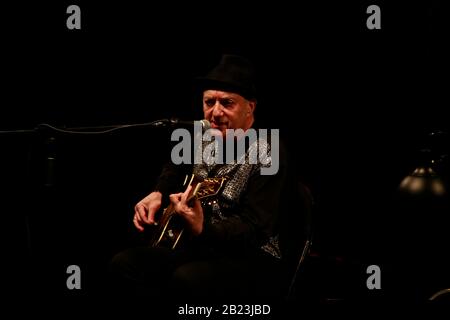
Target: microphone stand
42	163
42	167
172	122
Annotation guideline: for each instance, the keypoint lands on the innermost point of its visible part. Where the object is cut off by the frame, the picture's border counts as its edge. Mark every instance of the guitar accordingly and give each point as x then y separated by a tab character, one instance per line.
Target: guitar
170	226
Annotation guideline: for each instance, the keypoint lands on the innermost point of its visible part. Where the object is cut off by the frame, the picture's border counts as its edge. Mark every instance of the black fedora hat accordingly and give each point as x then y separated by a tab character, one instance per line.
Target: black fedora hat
233	74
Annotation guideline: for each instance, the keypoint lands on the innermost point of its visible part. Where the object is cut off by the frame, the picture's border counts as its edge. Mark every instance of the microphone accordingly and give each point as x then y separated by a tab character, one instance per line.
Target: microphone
175	122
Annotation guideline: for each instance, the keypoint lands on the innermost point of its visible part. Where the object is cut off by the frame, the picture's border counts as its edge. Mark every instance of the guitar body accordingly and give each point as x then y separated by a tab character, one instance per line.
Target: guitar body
170	226
169	229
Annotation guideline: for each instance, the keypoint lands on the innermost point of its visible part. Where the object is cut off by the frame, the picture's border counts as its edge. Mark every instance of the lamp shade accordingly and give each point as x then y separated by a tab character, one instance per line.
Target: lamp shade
423	181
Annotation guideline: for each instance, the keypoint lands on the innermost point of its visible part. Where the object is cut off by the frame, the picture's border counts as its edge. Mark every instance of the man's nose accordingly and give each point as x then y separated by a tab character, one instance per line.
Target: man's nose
217	110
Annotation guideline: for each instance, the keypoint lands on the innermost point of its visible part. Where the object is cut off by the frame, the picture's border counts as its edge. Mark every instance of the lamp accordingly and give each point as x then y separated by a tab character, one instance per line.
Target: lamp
425	179
420	230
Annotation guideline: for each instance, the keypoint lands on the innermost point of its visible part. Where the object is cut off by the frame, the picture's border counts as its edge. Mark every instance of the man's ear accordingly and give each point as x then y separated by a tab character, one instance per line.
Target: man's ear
251	106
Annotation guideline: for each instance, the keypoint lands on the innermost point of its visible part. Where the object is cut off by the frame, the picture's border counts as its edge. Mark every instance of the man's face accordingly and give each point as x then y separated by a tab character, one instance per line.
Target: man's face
225	110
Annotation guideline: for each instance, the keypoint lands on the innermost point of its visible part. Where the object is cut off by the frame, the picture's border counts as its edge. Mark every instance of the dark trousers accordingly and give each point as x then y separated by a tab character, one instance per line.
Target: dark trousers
194	273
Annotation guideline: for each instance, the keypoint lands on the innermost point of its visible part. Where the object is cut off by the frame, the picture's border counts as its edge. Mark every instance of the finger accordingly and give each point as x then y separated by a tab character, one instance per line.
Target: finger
144	214
141	212
175	198
152	210
186	193
151	216
137	223
138	226
137	216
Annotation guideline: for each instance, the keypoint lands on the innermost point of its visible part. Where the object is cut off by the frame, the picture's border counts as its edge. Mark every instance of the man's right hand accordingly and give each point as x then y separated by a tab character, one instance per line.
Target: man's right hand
144	211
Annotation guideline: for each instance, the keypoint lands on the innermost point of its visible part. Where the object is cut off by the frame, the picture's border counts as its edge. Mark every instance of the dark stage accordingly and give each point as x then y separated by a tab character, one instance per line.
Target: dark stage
360	108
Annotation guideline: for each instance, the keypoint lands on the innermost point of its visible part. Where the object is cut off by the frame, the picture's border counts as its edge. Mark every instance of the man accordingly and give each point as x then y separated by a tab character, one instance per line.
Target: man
232	242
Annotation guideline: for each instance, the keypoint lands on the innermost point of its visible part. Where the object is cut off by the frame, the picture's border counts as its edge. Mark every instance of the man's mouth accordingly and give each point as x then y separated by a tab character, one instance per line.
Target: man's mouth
219	125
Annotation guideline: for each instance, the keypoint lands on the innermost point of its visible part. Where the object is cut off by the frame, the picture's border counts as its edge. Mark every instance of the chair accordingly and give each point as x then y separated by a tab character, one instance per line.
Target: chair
441	295
297	235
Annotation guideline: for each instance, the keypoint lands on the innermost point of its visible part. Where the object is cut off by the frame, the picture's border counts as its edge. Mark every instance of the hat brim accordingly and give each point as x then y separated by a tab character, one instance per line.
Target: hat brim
203	84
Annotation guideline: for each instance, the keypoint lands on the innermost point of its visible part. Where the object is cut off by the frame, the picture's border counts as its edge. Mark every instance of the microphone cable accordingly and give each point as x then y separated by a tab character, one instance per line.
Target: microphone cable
110	128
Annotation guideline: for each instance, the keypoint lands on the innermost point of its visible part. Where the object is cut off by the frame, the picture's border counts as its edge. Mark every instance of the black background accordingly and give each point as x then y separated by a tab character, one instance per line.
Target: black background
355	105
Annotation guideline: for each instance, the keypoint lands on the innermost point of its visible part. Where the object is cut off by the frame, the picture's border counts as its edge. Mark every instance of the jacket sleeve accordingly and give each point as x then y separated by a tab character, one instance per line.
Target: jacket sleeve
171	179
